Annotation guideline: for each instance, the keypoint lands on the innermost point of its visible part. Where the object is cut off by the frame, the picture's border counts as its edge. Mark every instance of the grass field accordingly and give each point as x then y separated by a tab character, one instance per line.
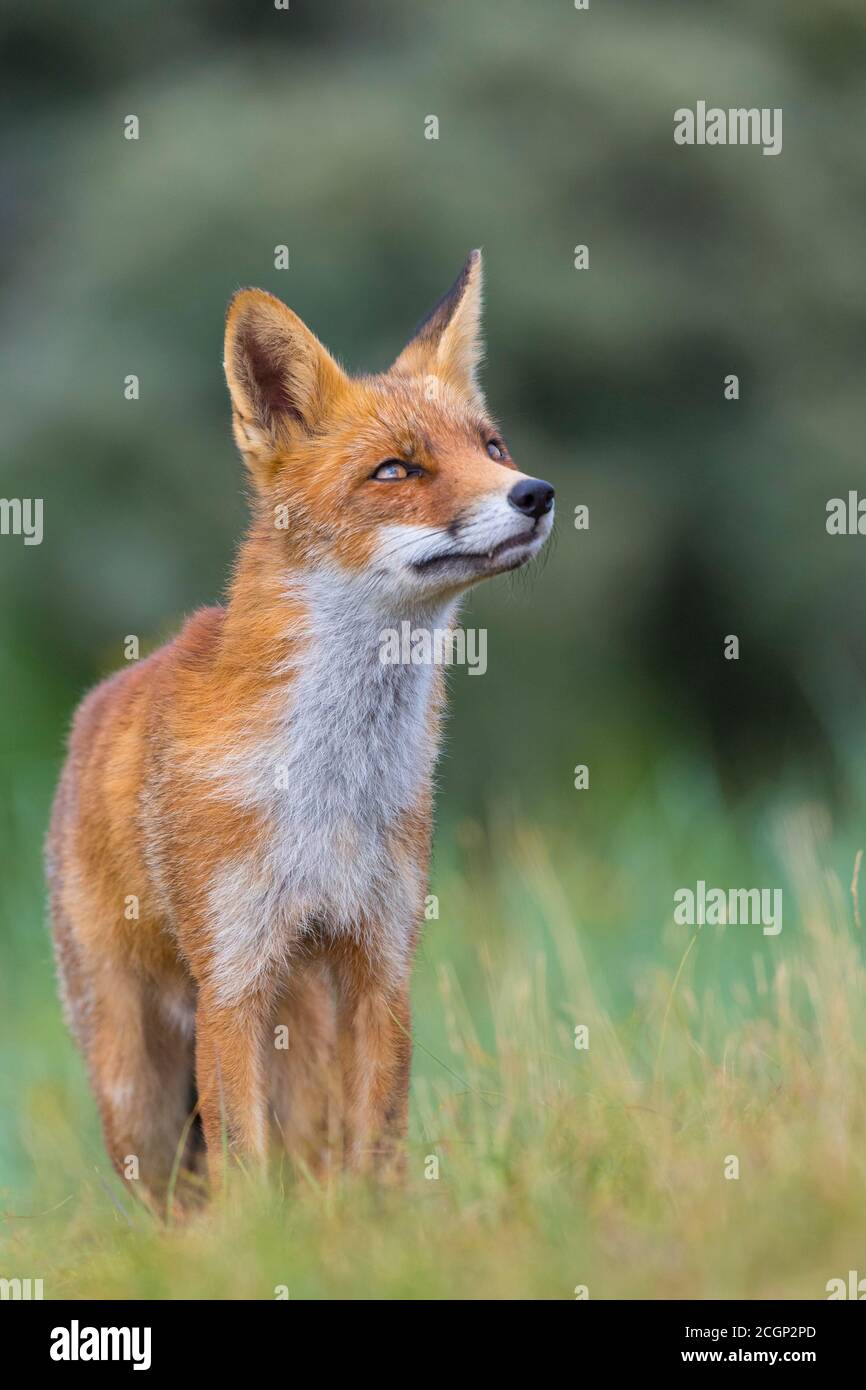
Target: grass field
558	1166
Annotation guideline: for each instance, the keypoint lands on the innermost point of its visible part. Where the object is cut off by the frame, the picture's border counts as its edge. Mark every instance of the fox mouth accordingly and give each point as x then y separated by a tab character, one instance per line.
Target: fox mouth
519	543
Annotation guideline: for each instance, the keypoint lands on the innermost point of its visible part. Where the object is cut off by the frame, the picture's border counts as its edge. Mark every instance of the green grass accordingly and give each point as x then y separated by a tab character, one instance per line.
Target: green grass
557	1167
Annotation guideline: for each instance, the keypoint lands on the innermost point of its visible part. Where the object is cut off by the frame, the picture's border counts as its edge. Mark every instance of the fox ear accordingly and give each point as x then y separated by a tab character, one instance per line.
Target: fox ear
280	377
447	344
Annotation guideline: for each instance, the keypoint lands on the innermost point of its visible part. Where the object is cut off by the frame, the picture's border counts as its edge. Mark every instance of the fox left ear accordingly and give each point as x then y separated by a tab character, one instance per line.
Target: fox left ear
280	378
448	344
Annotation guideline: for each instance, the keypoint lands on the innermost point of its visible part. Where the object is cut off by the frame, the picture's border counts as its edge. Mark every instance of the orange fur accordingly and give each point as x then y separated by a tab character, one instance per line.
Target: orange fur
188	934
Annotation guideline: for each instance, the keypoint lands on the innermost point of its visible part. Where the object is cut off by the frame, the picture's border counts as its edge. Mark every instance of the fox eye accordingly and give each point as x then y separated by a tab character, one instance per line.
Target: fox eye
496	451
394	471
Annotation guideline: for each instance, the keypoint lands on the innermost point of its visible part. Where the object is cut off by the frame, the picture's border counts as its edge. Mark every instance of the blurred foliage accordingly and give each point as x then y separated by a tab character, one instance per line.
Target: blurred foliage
261	127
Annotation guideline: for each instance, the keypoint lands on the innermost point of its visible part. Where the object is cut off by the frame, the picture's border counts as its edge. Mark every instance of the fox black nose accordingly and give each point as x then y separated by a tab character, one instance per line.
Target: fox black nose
532	497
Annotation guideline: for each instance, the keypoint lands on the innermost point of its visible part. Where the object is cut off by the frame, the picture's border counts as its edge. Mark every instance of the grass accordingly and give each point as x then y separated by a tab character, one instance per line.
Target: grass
558	1167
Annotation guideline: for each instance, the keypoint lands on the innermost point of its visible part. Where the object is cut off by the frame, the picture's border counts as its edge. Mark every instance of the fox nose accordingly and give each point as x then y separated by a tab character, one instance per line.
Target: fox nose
531	496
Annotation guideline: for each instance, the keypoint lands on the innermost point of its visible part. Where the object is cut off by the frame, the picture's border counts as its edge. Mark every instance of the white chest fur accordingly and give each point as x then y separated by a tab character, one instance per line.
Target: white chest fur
352	750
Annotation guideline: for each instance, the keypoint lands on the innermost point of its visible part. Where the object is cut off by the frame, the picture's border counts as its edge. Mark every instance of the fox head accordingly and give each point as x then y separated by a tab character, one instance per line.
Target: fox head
402	480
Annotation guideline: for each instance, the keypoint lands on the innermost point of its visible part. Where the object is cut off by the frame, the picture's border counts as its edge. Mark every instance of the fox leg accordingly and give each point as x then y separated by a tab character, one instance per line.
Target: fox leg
140	1061
231	1078
303	1077
375	1043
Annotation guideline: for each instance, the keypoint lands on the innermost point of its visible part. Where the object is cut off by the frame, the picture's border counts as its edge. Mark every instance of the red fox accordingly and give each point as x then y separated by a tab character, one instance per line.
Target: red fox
239	844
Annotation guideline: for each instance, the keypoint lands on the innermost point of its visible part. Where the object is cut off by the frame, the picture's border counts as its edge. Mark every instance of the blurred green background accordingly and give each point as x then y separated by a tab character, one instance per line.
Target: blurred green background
707	517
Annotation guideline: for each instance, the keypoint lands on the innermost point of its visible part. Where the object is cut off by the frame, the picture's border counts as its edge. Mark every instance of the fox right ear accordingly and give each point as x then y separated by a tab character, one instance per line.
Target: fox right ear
280	377
448	343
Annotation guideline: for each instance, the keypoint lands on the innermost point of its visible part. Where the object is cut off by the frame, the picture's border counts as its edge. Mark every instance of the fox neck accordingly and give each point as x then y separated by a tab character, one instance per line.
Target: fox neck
356	729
